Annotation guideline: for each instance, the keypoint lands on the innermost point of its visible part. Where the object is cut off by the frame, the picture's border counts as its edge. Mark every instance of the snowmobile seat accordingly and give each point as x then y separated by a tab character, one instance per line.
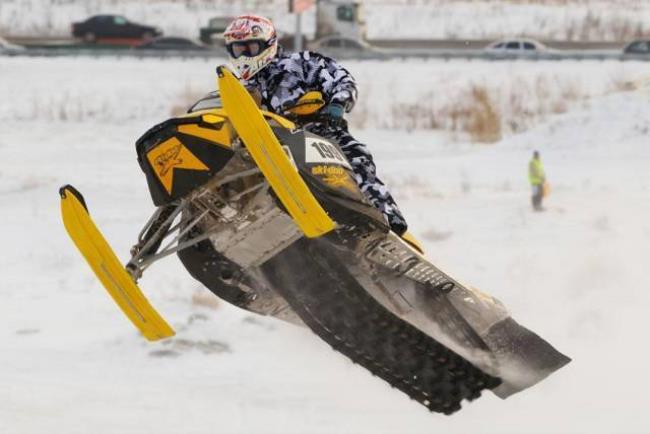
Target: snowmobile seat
308	104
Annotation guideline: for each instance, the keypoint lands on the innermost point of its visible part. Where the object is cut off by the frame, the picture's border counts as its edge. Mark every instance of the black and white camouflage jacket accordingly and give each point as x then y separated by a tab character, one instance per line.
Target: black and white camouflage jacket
290	75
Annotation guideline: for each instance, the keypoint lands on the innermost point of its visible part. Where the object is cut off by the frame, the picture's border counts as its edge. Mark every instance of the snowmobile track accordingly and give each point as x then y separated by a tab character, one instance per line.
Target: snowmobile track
339	311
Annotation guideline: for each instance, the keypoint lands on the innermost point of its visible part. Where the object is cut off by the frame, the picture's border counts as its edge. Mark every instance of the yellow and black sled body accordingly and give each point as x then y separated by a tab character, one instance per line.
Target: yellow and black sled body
268	216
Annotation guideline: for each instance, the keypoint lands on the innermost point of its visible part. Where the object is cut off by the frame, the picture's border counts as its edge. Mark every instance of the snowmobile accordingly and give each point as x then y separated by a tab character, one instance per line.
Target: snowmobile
268	217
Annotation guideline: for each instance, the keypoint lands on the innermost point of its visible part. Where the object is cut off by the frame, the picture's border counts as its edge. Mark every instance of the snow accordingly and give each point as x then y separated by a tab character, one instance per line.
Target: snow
70	362
545	19
409	94
573	20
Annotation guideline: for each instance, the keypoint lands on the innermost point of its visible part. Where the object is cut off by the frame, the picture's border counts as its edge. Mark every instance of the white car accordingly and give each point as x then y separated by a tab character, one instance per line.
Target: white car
8	46
516	47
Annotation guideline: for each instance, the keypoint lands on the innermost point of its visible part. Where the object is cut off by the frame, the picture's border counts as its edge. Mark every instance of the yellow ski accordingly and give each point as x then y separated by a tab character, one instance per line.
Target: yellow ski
269	156
108	268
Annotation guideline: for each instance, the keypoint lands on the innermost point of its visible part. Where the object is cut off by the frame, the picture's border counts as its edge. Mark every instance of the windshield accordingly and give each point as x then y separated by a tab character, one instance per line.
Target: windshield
211	101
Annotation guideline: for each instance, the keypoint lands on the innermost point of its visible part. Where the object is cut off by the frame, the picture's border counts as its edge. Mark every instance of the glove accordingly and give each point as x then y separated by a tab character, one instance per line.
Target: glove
334	112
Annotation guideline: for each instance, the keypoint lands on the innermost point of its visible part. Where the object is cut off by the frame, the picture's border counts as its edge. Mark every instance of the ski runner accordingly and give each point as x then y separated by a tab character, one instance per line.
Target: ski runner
278	80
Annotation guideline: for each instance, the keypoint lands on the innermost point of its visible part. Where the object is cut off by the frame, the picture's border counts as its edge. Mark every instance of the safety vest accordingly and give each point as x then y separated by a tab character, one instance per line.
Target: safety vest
536	172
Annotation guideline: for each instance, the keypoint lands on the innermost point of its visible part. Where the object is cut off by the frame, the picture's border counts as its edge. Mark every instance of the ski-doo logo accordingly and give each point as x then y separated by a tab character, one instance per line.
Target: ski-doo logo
170	155
169	159
335	177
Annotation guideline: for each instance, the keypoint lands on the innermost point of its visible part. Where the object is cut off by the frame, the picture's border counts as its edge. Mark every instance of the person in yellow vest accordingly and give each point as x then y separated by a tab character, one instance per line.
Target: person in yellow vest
537	178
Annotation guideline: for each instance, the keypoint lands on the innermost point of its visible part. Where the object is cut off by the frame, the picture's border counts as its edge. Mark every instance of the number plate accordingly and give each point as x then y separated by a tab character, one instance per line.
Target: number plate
320	151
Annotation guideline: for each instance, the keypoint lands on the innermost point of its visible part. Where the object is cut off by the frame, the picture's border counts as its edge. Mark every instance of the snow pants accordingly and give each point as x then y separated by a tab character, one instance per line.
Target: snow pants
365	172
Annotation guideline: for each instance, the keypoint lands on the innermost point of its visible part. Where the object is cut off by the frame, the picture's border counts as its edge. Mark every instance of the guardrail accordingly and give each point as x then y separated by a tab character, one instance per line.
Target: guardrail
373	54
113	52
553	55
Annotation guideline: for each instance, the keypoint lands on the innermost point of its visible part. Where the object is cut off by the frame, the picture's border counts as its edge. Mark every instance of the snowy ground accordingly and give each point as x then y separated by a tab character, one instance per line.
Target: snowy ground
405	94
70	362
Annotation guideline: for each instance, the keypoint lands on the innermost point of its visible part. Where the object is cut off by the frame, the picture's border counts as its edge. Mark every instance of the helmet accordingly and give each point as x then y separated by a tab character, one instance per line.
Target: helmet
252	43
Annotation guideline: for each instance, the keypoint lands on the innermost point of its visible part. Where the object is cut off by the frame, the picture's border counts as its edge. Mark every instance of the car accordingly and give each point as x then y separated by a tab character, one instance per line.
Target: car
112	27
171	43
340	46
339	43
8	46
288	40
516	47
641	47
213	32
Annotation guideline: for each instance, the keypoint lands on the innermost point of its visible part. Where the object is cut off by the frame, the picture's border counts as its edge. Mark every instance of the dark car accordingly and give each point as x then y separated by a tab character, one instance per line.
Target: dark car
213	32
171	43
638	47
112	27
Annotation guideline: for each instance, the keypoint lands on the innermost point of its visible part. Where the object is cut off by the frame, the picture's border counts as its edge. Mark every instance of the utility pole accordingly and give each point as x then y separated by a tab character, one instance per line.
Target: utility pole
297	7
297	36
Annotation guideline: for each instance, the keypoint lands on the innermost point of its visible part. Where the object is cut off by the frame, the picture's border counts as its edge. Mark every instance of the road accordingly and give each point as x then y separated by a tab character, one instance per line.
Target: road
381	49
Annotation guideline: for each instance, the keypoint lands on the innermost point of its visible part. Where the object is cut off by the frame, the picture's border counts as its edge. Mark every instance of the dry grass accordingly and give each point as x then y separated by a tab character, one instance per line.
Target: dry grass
481	119
473	113
480	109
484	111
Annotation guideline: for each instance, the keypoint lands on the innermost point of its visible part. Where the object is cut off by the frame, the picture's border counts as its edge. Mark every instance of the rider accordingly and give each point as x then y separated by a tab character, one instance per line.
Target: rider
537	180
279	79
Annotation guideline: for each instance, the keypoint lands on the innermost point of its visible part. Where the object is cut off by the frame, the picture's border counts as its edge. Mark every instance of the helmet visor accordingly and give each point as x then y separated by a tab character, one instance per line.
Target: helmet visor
251	48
